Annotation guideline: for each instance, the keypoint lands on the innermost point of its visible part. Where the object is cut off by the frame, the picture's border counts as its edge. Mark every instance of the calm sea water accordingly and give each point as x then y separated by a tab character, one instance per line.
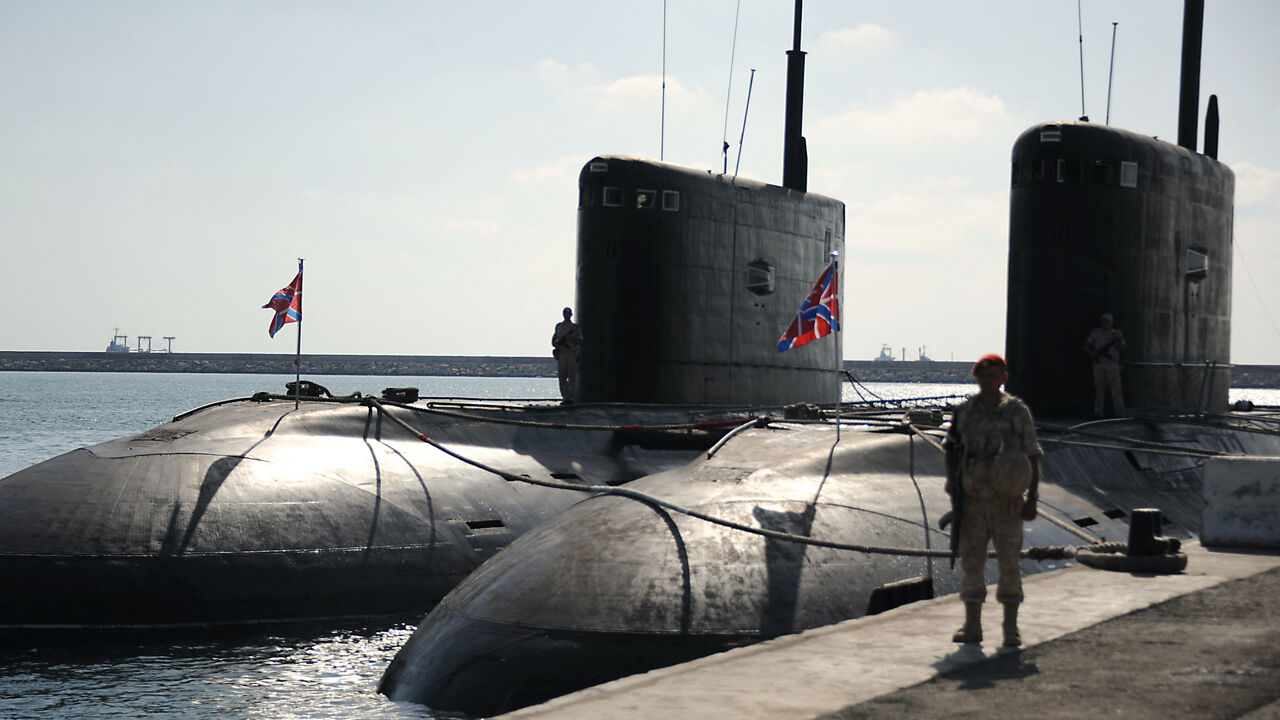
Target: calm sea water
325	673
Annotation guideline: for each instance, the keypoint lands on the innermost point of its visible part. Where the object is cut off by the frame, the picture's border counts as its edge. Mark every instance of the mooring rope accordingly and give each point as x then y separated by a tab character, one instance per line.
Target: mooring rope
739	425
1034	553
693	425
1180	451
498	420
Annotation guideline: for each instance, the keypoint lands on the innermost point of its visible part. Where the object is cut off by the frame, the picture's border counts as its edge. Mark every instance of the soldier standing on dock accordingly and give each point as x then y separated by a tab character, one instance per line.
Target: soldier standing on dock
994	455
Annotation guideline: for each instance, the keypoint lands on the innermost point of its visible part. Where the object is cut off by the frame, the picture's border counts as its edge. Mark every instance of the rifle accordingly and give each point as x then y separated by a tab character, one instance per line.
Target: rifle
953	516
1097	354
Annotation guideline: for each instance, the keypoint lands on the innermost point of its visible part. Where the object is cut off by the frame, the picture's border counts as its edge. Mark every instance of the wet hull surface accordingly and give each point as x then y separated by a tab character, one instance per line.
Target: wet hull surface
254	512
615	586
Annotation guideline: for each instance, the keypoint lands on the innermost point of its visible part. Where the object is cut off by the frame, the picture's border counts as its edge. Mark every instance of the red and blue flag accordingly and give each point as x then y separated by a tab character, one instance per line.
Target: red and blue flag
287	304
818	315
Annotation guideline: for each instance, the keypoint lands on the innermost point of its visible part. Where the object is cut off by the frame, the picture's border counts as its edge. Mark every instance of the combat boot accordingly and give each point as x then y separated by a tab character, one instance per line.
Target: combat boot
1012	638
972	630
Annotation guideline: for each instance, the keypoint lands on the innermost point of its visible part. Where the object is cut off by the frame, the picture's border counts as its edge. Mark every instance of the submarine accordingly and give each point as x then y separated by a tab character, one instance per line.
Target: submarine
282	509
787	525
619	585
264	510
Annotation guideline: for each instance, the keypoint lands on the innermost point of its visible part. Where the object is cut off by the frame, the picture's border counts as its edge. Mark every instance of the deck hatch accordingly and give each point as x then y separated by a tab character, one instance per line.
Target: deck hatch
484	523
162	434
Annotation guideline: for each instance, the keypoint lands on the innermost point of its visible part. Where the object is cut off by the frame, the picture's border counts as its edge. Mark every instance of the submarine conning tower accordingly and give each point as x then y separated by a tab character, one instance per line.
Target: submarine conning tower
686	280
1103	220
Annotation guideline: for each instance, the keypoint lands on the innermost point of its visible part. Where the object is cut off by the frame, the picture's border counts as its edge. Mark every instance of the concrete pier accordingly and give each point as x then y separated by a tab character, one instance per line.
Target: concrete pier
1201	643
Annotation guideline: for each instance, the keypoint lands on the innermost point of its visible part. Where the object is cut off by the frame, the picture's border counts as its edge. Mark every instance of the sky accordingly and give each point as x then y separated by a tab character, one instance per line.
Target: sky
163	165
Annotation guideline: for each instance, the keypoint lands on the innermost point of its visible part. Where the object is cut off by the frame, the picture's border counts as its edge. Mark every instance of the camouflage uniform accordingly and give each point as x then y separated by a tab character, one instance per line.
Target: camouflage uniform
993	490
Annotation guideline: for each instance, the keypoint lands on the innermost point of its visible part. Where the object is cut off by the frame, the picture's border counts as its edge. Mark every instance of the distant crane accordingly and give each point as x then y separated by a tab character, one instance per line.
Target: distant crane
169	339
140	339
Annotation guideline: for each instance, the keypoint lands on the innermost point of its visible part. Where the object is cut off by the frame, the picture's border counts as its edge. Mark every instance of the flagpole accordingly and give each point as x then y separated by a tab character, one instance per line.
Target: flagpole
835	272
297	356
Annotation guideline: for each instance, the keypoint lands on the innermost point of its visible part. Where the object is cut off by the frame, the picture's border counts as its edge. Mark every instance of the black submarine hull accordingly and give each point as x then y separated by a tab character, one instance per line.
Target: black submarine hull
615	586
255	512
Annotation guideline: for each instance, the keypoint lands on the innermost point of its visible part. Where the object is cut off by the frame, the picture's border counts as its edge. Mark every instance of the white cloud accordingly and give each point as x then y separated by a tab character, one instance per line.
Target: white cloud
945	214
561	174
555	72
949	114
641	91
867	36
549	68
472	227
1256	187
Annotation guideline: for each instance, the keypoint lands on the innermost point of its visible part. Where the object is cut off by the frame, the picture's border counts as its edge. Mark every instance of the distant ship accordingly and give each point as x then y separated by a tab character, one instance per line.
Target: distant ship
119	343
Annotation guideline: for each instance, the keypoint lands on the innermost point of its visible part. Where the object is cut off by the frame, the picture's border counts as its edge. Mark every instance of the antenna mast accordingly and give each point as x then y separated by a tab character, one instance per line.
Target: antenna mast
795	158
733	49
745	110
1189	85
1080	27
662	121
1112	71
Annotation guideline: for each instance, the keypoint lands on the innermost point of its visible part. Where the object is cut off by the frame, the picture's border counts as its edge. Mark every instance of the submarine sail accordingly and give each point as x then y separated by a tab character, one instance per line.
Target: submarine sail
1104	220
686	280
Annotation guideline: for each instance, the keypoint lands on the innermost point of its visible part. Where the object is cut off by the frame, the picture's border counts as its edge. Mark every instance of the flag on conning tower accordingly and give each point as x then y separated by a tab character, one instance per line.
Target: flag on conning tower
287	302
818	315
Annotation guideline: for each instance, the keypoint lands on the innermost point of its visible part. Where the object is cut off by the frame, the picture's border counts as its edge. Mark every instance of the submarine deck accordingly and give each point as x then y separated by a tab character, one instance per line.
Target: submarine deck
1202	643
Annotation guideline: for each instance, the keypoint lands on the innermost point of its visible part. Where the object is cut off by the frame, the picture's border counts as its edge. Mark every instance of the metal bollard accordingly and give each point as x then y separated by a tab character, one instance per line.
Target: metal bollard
1144	534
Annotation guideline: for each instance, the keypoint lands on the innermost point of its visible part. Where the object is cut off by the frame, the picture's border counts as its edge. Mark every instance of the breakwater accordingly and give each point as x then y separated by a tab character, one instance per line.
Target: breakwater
1267	376
272	364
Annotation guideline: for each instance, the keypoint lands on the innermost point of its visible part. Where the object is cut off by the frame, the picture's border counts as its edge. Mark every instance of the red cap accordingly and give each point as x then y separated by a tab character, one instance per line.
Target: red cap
988	361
